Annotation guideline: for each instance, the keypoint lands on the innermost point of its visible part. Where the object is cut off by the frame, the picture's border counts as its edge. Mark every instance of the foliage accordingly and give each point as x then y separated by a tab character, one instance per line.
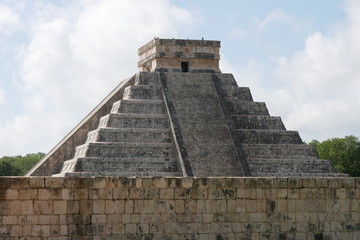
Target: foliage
18	165
344	153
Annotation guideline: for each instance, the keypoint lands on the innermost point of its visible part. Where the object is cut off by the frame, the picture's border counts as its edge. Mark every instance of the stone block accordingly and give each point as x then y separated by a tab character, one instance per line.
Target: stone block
321	182
9	220
73	207
341	193
280	182
11	194
281	206
26	194
15	208
60	207
27	207
265	182
251	205
335	182
348	182
81	193
179	206
282	193
54	182
295	182
16	231
119	193
98	218
43	207
215	193
293	193
99	206
153	193
138	206
187	182
68	194
45	194
129	206
136	193
160	182
243	193
257	217
16	182
198	193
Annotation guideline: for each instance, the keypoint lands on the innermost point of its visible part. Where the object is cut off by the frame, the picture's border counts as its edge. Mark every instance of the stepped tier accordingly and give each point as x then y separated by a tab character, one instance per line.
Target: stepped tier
181	124
129	120
258	122
138	106
130	135
269	149
134	139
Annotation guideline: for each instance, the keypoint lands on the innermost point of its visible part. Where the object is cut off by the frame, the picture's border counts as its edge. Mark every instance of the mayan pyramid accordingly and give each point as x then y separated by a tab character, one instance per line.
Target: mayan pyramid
180	116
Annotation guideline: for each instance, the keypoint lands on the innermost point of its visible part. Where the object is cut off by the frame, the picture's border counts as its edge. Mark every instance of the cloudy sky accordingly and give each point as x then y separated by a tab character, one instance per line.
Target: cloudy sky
59	59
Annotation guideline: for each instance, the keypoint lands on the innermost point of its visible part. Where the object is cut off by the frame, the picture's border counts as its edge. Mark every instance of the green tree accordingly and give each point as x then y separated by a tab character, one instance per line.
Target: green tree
344	153
18	165
7	169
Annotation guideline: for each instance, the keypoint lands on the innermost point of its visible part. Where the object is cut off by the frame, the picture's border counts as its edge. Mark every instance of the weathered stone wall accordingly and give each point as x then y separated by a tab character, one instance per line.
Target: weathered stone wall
179	208
167	55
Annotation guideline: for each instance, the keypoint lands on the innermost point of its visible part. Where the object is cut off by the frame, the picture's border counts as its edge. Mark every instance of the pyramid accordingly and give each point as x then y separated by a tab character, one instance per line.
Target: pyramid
180	116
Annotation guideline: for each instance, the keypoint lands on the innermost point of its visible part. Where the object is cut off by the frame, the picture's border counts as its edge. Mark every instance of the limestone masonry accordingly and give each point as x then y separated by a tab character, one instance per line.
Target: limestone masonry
101	208
180	116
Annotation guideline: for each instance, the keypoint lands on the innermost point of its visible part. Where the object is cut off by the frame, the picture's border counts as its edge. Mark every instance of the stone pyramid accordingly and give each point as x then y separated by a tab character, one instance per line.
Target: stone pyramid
180	116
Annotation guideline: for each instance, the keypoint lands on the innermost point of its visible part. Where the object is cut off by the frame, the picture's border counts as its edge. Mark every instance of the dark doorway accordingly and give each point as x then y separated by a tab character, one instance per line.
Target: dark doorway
184	66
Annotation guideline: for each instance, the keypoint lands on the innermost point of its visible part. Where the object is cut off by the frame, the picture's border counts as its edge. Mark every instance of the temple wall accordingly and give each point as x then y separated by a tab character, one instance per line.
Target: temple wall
179	208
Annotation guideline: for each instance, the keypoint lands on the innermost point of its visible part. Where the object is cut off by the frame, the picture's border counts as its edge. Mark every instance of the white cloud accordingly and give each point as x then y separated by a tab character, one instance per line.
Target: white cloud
277	16
9	20
316	90
2	96
273	19
76	58
323	81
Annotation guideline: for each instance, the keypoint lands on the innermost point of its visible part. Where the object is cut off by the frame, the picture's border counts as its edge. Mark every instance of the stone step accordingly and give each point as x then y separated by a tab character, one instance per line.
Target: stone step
139	106
129	135
143	92
247	108
121	174
125	150
129	120
310	160
258	122
260	136
228	79
147	78
285	151
232	93
290	165
297	175
91	164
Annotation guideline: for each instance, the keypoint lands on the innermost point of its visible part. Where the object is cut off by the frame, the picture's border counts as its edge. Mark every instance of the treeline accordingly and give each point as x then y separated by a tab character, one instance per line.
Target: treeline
344	153
19	165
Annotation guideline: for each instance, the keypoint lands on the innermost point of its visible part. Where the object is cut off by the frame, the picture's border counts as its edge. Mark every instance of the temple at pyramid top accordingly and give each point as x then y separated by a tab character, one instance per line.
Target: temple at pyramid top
179	55
181	116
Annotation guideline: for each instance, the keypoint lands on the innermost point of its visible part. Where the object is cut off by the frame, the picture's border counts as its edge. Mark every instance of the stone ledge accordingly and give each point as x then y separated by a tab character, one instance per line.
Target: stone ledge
176	182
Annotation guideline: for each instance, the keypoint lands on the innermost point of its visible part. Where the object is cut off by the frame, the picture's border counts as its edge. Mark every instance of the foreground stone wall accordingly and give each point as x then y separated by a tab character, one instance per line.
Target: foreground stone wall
179	208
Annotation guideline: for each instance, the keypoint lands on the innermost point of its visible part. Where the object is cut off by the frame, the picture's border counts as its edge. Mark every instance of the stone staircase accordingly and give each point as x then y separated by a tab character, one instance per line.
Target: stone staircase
134	139
270	150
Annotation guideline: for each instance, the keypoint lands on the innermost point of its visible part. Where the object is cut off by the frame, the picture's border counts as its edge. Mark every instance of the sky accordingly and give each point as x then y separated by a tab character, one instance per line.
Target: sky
59	59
